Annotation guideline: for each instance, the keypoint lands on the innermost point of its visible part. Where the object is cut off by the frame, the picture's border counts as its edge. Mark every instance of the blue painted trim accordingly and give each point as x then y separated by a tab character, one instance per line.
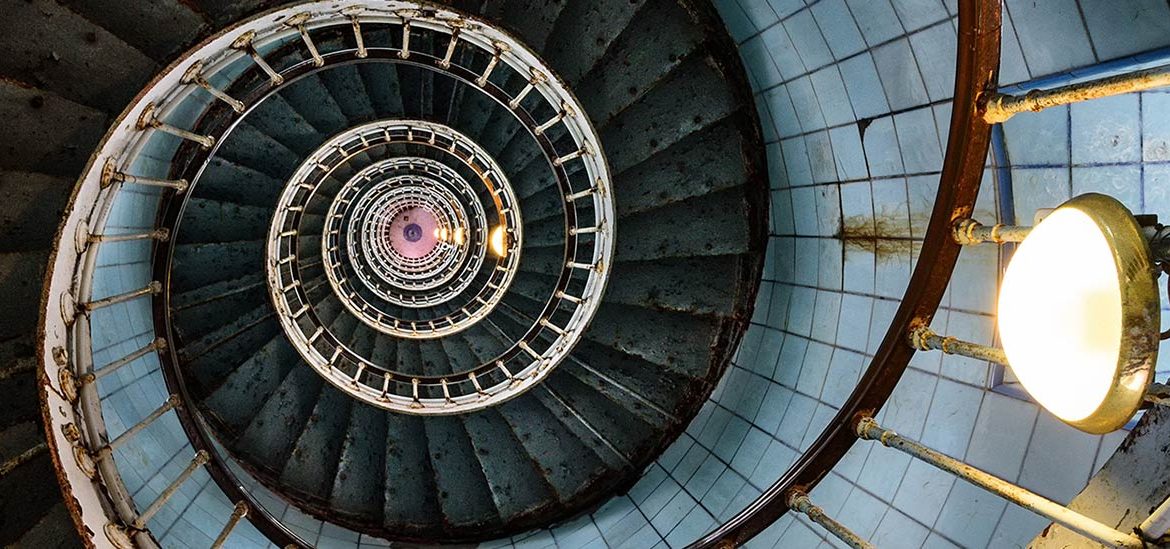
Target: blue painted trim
1152	58
1006	202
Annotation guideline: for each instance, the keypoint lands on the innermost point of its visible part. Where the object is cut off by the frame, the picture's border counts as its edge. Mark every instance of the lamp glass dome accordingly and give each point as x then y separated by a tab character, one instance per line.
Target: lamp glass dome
1078	314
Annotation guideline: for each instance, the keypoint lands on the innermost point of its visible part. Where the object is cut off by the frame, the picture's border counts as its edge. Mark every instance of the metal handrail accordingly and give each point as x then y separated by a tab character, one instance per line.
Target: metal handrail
976	76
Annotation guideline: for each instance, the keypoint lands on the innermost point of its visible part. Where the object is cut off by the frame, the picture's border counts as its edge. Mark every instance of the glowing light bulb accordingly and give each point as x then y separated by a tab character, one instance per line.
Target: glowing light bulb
1065	314
498	241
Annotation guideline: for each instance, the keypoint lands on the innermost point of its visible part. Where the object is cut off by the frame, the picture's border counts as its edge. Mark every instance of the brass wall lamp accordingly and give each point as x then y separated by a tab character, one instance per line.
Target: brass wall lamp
1078	310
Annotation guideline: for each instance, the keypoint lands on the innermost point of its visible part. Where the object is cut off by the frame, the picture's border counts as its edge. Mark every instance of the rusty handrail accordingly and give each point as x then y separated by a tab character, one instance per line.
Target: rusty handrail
976	75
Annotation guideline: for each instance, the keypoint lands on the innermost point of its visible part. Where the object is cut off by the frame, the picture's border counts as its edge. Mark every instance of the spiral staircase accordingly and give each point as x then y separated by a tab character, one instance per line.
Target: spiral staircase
586	242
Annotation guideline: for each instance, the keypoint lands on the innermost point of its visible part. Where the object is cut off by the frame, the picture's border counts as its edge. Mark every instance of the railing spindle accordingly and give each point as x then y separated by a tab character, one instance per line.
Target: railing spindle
869	429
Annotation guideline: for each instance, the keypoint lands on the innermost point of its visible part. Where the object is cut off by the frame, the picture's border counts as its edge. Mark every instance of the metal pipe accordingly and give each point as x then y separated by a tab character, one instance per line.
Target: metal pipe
194	75
1001	107
352	12
798	501
244	44
968	232
149	120
583	151
150	289
406	16
160	234
156	345
201	457
456	25
170	404
495	60
869	429
924	339
537	78
298	21
240	512
566	110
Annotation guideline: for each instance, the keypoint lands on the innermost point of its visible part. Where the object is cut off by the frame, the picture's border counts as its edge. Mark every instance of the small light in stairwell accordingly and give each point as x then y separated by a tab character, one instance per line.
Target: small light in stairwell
459	236
498	241
1078	314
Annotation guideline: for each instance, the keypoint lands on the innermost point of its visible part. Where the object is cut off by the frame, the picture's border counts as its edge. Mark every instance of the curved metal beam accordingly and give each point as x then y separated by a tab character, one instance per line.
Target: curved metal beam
976	76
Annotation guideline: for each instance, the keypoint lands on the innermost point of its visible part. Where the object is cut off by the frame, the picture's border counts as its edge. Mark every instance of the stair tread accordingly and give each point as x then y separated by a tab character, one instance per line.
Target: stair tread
60	50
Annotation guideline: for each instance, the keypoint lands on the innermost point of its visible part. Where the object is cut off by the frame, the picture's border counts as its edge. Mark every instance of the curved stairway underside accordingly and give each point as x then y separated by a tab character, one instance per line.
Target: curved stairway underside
659	81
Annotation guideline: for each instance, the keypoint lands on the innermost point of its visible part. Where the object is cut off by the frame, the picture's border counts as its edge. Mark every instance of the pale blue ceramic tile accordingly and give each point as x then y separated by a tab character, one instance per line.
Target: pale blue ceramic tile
725	491
796	160
783	53
767	121
900	75
848	154
828	201
864	86
1121	182
760	14
883	470
923	492
820	420
1155	126
1106	130
1051	35
858	271
673	512
934	48
769	353
830	272
1039	188
838	28
778	315
831	94
970	515
826	315
1126	28
1017	527
881	148
844	371
916	14
898	531
796	419
814	369
806	103
1012	68
877	19
820	157
791	359
804	210
806	36
1058	475
772	408
974	280
730	439
760	68
1038	139
783	114
854	325
783	8
951	418
697	523
1001	434
1156	184
777	176
808	252
918	141
862	512
800	312
832	493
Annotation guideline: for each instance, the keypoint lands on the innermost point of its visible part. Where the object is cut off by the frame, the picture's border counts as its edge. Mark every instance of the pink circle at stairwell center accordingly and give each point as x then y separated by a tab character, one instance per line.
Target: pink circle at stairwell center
413	233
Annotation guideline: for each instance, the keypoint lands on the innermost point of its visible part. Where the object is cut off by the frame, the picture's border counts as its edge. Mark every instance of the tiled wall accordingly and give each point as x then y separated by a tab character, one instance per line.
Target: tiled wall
854	99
